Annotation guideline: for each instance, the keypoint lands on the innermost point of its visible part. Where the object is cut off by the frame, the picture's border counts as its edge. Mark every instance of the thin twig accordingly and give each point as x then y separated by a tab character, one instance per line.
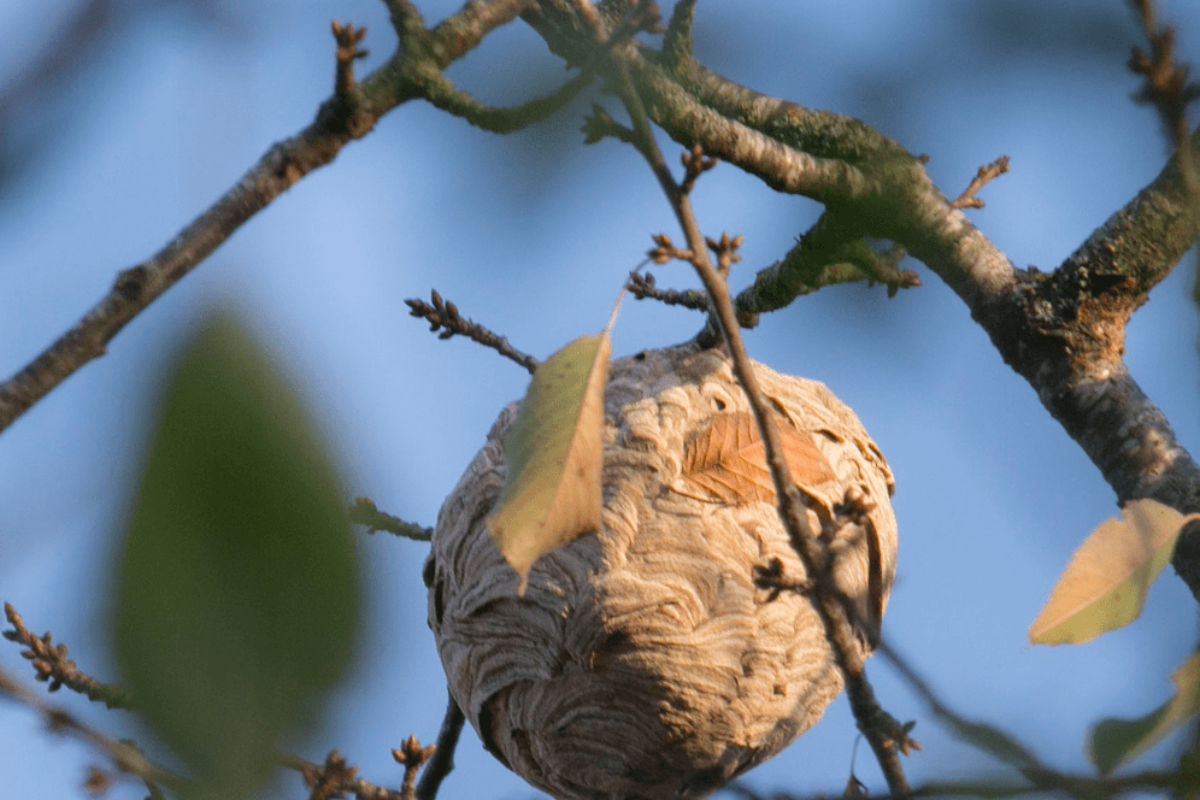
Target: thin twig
52	666
500	119
1166	87
829	253
996	787
364	512
50	662
884	734
725	249
443	756
598	124
335	778
1006	748
126	757
348	51
644	286
443	315
986	173
348	114
695	164
986	737
412	756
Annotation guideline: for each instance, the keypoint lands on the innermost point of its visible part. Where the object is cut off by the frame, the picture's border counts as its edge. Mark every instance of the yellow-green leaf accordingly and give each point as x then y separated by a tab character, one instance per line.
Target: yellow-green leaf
1105	584
237	593
555	454
1115	742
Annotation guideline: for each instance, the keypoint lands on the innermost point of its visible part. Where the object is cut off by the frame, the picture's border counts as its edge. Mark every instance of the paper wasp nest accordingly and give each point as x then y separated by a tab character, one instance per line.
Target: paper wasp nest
655	659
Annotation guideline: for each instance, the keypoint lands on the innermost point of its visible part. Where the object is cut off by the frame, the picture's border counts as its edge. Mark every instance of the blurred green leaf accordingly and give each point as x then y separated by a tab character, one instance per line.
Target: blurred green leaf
1115	742
238	597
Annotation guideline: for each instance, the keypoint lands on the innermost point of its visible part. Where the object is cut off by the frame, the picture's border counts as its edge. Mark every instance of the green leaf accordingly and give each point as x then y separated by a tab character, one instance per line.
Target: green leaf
1115	742
1105	585
555	454
238	599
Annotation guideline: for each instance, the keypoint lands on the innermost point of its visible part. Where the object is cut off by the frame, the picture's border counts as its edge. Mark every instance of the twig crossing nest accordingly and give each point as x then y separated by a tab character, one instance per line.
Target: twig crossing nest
678	647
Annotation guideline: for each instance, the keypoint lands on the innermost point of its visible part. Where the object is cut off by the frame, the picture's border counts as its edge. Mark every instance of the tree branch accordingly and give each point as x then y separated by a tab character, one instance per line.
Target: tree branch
988	738
986	173
350	113
126	757
1166	87
1036	776
325	781
1065	333
52	666
135	288
645	286
829	253
1144	240
448	97
364	512
444	315
443	756
336	778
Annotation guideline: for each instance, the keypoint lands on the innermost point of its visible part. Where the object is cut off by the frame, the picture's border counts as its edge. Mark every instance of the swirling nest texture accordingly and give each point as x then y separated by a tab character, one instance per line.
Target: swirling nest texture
654	660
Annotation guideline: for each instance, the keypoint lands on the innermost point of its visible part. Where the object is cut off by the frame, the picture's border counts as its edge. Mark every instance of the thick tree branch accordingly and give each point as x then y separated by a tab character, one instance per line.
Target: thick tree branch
782	167
871	183
821	134
1146	239
1064	332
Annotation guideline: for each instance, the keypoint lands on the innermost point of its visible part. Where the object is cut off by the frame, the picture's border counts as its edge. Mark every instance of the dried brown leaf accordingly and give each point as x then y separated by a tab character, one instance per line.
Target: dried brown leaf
727	462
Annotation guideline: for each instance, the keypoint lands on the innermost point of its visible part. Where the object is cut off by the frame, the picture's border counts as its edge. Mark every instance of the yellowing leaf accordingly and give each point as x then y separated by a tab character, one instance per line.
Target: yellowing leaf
555	454
1105	585
727	462
1115	742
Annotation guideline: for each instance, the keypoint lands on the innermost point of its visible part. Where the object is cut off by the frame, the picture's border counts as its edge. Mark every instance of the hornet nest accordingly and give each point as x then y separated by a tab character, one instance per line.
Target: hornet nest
664	655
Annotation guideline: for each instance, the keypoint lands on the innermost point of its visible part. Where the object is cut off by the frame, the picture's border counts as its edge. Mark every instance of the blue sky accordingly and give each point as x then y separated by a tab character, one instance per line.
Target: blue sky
532	235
